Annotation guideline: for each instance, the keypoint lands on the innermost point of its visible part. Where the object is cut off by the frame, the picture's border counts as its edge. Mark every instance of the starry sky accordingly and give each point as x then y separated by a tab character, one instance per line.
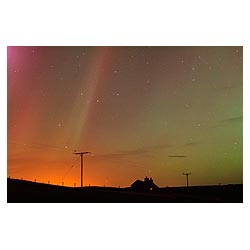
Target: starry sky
140	111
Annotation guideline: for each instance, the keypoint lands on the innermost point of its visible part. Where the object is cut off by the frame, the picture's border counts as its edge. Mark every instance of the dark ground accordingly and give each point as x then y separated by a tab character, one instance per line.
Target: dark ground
31	192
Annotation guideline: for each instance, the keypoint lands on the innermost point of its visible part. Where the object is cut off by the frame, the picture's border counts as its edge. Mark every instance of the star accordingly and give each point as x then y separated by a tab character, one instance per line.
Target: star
147	102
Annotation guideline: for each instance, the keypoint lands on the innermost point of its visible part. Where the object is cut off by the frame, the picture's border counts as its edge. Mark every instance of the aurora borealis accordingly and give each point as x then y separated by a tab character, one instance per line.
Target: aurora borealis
155	111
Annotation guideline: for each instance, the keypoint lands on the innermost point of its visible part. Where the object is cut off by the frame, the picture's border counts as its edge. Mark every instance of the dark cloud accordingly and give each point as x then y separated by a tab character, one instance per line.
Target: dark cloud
227	121
135	152
233	119
178	156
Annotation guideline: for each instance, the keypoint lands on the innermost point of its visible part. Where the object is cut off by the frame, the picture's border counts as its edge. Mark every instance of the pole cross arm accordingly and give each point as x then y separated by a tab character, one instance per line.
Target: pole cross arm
81	153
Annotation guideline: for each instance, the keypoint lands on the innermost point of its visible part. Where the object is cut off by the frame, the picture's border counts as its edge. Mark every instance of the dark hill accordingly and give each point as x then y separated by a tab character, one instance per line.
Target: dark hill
26	191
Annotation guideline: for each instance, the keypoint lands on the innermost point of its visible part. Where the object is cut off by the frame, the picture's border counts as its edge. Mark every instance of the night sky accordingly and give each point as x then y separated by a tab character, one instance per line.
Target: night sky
141	111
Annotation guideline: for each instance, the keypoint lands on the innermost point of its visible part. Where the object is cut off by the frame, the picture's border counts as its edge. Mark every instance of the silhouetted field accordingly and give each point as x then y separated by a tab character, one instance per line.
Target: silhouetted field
27	191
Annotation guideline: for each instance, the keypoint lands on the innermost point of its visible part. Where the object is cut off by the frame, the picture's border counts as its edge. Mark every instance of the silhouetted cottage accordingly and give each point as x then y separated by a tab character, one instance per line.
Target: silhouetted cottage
146	185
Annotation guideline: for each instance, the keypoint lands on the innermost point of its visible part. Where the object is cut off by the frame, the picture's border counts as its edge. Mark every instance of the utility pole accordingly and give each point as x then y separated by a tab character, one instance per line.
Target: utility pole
187	174
81	154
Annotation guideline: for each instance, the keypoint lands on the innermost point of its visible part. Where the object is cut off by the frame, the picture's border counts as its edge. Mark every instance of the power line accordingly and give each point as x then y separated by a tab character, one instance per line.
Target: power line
68	170
39	146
